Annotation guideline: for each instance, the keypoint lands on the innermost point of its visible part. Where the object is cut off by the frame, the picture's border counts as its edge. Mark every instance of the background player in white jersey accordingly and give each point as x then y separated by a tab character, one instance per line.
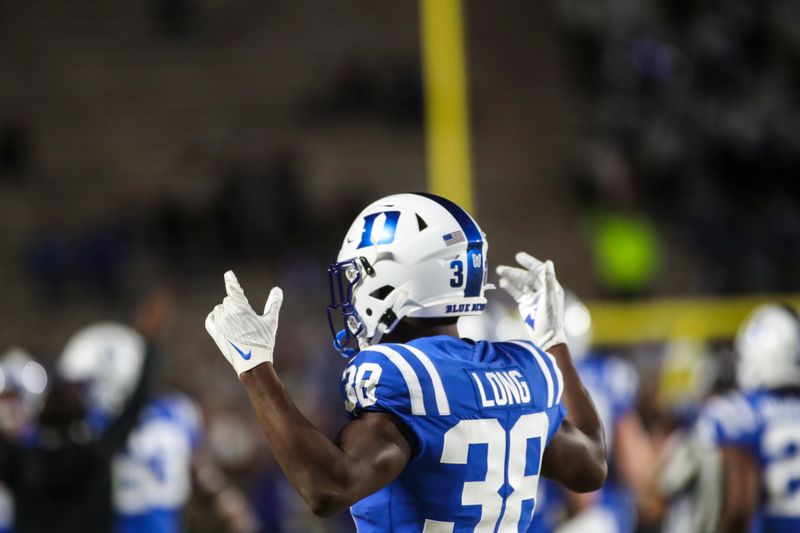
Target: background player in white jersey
446	433
757	430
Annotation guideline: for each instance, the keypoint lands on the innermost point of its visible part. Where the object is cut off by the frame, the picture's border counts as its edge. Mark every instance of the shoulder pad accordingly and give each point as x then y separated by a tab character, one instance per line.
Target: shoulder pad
395	378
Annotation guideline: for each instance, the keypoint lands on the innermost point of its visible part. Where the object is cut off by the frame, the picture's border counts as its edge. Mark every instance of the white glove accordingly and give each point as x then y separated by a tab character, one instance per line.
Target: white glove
244	338
539	296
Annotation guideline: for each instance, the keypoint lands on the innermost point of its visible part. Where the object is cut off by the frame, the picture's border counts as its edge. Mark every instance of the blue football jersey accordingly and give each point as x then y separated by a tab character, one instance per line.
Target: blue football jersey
482	414
152	477
766	424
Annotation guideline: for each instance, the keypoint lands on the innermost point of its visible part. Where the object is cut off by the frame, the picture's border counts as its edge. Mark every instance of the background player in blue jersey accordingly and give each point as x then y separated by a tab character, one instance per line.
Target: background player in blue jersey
446	434
153	474
613	385
757	430
61	477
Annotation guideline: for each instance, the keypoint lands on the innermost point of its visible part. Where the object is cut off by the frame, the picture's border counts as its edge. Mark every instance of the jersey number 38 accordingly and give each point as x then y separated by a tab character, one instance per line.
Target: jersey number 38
504	462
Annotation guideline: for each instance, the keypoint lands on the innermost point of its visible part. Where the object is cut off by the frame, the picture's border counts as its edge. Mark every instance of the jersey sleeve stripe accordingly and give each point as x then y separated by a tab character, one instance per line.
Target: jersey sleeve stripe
410	377
542	366
442	404
557	374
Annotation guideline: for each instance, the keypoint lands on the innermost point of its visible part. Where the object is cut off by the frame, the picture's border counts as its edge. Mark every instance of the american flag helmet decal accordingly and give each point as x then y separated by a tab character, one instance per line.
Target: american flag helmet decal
453	238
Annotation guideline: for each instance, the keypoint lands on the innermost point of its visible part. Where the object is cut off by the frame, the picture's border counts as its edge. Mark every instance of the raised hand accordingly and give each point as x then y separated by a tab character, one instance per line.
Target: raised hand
245	338
539	297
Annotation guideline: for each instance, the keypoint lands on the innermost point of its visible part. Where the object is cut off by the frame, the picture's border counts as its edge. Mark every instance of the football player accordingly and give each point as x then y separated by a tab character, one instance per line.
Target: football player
686	487
22	383
61	479
153	474
445	433
757	429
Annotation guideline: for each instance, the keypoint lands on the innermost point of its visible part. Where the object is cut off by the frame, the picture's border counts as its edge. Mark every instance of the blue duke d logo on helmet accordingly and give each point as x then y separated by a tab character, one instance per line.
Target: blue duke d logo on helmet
379	228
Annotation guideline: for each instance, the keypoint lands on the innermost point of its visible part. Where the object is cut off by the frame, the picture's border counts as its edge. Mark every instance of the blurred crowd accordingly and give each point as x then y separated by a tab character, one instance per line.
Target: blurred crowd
693	137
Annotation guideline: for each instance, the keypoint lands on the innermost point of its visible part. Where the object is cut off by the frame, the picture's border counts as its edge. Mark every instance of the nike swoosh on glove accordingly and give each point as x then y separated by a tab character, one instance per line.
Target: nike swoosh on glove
245	338
539	297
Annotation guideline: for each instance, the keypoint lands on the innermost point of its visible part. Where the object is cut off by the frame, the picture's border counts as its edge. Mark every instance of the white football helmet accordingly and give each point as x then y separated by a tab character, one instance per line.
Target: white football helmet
20	373
108	358
768	347
406	255
577	326
22	385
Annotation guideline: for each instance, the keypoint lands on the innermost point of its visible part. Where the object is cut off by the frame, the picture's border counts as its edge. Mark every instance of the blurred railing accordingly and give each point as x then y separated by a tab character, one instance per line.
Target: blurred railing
641	321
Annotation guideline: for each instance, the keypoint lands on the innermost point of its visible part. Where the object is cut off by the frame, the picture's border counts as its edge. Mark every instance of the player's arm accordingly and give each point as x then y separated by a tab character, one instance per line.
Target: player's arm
576	456
578	448
151	317
214	490
727	431
330	477
740	490
633	451
637	463
371	451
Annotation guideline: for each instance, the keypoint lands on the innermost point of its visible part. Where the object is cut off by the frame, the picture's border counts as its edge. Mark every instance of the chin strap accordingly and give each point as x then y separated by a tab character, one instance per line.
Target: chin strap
390	317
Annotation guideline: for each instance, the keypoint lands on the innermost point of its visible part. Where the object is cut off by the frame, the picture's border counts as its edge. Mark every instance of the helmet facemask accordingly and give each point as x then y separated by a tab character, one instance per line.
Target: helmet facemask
345	279
342	278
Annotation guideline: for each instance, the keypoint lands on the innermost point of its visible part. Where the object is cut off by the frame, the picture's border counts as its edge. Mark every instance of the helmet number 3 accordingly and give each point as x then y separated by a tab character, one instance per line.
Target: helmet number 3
457	267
